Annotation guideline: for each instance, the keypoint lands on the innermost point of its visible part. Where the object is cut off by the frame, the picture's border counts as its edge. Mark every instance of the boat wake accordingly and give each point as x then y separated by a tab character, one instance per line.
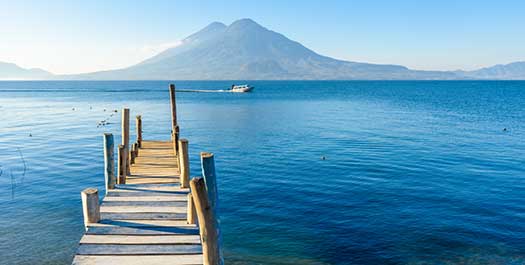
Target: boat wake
204	90
233	89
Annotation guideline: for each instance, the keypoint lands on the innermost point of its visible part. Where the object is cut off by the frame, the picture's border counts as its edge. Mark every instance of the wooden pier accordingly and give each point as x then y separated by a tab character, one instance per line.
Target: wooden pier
148	214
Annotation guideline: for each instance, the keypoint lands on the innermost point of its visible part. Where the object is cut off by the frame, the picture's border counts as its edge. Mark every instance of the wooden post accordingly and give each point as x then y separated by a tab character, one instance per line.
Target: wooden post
191	213
122	171
208	173
210	180
208	228
173	107
136	149
125	128
90	206
175	140
174	123
132	155
139	131
184	164
109	161
125	135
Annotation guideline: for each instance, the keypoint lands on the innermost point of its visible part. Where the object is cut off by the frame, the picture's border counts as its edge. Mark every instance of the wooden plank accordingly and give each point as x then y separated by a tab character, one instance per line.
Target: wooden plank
166	190
143	216
138	260
162	198
139	194
117	230
109	249
142	223
151	187
150	180
144	203
126	239
141	209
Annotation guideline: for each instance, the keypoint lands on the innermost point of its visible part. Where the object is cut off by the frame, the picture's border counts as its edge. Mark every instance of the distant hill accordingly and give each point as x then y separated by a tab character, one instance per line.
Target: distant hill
511	71
13	71
246	50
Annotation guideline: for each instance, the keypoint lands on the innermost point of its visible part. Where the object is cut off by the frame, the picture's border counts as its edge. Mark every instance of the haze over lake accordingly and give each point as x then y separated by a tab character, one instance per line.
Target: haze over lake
413	171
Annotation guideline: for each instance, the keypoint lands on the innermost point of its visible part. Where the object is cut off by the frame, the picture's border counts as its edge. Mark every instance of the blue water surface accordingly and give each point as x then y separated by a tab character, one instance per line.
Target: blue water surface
316	172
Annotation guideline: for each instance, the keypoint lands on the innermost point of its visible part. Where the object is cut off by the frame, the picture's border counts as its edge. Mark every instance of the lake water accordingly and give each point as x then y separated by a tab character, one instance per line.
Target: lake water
414	172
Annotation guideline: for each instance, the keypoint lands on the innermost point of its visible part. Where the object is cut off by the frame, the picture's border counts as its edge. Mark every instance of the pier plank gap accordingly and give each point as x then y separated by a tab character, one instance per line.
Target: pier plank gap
146	218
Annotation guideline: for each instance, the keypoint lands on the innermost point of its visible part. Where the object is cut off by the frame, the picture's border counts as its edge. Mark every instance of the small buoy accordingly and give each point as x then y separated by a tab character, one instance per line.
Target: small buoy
323	158
73	108
115	111
90	107
30	135
104	109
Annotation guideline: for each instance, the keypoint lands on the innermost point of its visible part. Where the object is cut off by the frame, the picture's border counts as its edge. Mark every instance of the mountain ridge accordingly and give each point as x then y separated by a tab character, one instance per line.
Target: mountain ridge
12	71
245	50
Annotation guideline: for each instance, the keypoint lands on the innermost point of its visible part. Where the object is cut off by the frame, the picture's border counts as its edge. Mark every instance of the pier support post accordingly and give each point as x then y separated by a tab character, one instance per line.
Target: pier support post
139	130
109	161
125	135
175	139
173	107
184	162
174	122
122	164
208	228
136	149
191	213
208	173
132	154
90	206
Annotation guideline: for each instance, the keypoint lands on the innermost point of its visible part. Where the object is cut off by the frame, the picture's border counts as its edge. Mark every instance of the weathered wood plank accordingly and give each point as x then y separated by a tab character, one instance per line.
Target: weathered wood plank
162	198
130	240
144	203
139	194
167	190
142	209
150	187
142	223
138	260
118	230
150	180
144	216
110	249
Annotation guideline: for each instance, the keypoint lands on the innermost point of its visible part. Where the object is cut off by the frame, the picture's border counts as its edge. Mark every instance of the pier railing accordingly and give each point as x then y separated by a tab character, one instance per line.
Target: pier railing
202	198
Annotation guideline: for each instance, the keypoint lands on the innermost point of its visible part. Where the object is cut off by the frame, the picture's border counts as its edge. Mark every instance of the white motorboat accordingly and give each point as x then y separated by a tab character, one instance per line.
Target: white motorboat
241	88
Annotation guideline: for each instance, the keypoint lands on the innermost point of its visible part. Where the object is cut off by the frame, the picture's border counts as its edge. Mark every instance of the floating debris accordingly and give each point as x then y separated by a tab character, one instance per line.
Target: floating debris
323	157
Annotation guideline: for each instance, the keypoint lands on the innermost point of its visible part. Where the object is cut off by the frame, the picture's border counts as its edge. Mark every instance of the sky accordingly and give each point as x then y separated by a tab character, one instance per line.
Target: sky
73	36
